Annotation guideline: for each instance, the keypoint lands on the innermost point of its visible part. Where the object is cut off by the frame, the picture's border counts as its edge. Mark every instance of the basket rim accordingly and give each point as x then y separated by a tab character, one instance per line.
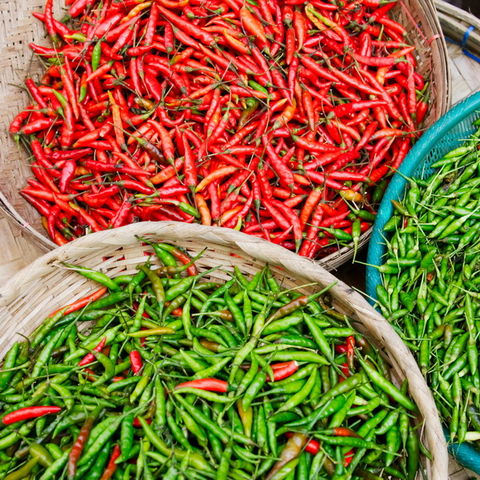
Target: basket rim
264	252
398	183
330	262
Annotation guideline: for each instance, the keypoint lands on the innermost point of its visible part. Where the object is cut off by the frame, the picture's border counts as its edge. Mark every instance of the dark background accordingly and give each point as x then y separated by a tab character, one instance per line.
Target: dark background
472	6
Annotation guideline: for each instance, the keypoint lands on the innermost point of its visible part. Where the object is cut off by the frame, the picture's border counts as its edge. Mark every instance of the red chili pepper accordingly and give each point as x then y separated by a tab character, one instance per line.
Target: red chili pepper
285	175
293	219
111	466
82	302
290	45
344	432
34	91
167	144
58	27
300	26
209	384
311	241
312	446
90	357
309	205
89	220
347	108
134	185
253	26
202	207
52	220
349	457
214	176
37	125
28	413
238	217
49	21
189	28
136	361
283	370
42	206
236	44
344	368
136	422
78	6
68	172
99	198
69	154
121	216
78	446
17	122
421	111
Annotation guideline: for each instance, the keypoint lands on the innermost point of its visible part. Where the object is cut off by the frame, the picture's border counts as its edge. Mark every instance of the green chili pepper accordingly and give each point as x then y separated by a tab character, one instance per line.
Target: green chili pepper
96	55
210	396
386	385
52	471
236	312
126	437
23	471
180	288
223	469
249	376
301	395
253	388
94	275
319	337
195	460
46	353
413	454
39	452
193	427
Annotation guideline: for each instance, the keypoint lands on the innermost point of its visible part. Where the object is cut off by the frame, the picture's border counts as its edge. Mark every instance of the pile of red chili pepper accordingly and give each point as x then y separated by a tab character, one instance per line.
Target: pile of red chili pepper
274	118
181	376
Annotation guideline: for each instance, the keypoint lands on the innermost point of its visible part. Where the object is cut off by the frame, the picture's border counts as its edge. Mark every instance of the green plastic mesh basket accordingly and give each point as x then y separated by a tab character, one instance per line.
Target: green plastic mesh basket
447	133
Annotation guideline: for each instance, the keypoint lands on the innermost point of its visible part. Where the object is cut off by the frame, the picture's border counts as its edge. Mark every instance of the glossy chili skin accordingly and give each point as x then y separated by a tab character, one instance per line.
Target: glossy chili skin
160	105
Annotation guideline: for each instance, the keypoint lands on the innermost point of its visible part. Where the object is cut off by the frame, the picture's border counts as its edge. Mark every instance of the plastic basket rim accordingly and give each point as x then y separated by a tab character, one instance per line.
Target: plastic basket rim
398	183
465	453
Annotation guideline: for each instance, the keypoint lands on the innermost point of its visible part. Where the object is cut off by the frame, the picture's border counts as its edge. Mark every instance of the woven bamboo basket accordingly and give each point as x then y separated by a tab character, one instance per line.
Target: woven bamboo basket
45	285
461	26
19	28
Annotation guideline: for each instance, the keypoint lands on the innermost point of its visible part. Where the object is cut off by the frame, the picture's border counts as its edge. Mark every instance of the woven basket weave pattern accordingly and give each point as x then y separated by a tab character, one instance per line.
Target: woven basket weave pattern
46	285
19	28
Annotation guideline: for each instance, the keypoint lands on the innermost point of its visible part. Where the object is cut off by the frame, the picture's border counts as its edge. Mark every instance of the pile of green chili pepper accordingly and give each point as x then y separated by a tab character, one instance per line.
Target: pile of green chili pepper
167	374
431	283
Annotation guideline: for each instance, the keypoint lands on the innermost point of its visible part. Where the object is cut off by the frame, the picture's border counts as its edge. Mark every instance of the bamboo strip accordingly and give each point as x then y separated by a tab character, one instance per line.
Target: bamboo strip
455	22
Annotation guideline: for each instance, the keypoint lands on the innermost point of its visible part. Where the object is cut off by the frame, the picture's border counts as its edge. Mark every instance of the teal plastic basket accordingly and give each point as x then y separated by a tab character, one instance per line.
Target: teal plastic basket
447	133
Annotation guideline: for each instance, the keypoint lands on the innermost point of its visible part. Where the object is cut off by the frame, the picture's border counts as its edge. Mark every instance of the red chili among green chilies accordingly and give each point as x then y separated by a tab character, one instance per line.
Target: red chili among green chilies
189	386
28	413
